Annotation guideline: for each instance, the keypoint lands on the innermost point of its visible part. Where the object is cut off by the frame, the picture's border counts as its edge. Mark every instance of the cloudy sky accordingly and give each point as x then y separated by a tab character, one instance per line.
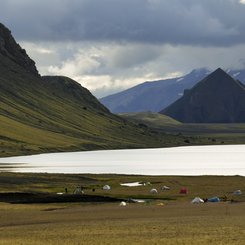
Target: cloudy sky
110	45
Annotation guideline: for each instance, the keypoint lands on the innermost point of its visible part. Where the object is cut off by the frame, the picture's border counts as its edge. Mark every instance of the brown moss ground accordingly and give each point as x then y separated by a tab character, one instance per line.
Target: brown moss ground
173	223
176	221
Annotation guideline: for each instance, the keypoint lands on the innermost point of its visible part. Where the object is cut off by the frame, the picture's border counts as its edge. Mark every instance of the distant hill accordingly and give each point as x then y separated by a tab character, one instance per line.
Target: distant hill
156	95
150	119
218	98
45	114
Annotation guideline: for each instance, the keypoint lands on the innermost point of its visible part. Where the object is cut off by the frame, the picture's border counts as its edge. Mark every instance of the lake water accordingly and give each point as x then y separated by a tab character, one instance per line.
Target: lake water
190	160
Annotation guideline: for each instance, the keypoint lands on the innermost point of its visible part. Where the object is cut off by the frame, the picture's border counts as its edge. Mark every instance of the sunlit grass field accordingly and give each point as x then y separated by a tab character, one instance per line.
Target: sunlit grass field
221	223
165	218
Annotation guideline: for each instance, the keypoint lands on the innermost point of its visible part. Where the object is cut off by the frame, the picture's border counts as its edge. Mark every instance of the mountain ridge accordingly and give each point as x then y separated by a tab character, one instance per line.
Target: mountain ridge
52	114
156	95
218	98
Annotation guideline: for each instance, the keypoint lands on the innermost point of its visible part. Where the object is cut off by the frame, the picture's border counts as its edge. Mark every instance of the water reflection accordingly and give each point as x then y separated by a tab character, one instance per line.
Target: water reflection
192	160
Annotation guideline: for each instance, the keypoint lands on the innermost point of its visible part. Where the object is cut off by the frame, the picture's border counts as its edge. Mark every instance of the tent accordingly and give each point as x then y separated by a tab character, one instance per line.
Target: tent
123	204
183	191
106	188
78	190
153	191
197	200
237	192
164	188
213	199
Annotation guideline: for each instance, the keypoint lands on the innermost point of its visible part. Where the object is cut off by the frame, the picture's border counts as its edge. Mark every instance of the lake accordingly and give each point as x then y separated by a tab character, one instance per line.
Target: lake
190	160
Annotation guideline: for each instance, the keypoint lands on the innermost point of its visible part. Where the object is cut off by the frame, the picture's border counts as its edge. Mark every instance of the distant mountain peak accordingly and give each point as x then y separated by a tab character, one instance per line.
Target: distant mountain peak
218	98
219	72
12	50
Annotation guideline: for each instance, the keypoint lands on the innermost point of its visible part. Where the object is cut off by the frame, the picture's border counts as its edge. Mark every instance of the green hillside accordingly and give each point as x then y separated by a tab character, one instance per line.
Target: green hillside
201	133
57	114
46	114
150	119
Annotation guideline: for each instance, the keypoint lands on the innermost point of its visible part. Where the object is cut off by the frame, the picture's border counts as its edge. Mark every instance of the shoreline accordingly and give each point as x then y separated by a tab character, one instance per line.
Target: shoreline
227	160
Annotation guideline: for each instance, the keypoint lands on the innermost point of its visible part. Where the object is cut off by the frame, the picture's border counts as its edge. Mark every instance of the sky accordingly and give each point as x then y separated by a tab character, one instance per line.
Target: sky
111	45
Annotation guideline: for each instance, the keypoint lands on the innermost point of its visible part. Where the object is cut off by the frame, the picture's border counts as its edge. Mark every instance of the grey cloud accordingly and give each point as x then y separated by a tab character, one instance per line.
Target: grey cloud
190	22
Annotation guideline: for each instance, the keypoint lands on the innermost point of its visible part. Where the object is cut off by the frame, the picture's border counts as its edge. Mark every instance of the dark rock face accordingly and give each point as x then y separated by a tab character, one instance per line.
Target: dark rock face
12	50
218	98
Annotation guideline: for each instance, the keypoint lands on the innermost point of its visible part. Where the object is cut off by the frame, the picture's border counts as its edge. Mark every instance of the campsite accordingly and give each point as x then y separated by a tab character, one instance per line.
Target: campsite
165	217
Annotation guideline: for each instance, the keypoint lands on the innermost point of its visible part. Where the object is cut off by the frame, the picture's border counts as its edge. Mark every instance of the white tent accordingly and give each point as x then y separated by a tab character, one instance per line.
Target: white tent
165	188
197	200
106	188
237	192
153	191
78	190
123	204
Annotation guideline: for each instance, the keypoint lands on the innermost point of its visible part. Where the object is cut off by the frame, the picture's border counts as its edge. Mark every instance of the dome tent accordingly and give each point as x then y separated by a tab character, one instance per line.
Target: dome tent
106	188
153	191
197	200
165	188
213	199
237	192
123	204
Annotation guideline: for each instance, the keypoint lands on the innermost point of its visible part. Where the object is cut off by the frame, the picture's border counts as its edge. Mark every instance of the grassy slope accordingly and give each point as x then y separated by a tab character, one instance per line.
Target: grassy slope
229	133
56	114
150	119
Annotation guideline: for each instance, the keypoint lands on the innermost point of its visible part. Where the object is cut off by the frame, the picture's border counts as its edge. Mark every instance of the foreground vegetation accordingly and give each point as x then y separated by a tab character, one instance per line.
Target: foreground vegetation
221	223
166	218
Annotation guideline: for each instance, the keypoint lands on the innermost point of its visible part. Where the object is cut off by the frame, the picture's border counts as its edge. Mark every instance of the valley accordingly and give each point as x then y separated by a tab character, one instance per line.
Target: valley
212	133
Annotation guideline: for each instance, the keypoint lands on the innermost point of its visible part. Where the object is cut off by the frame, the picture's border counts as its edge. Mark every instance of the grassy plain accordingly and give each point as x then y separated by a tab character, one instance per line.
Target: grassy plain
166	218
212	133
221	223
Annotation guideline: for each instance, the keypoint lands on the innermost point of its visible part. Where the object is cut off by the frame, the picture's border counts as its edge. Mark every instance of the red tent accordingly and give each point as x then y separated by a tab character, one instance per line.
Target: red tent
183	191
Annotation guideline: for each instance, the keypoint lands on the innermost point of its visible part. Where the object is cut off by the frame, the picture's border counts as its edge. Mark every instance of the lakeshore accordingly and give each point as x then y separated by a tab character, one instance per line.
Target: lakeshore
167	217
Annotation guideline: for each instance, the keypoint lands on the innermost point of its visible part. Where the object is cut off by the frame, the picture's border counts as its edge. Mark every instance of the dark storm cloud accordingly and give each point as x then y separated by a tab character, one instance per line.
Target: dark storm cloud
191	22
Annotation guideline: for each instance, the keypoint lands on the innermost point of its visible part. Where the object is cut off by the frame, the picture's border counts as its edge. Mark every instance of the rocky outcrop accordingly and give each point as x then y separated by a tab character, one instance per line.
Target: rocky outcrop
218	98
12	50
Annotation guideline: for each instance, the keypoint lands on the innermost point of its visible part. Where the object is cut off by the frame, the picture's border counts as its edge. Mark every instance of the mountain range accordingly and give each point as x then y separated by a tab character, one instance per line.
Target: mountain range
218	98
45	114
55	113
156	95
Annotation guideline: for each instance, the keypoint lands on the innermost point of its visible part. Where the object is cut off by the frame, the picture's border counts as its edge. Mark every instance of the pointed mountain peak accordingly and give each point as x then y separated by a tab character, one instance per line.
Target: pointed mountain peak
218	98
217	79
12	50
220	72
